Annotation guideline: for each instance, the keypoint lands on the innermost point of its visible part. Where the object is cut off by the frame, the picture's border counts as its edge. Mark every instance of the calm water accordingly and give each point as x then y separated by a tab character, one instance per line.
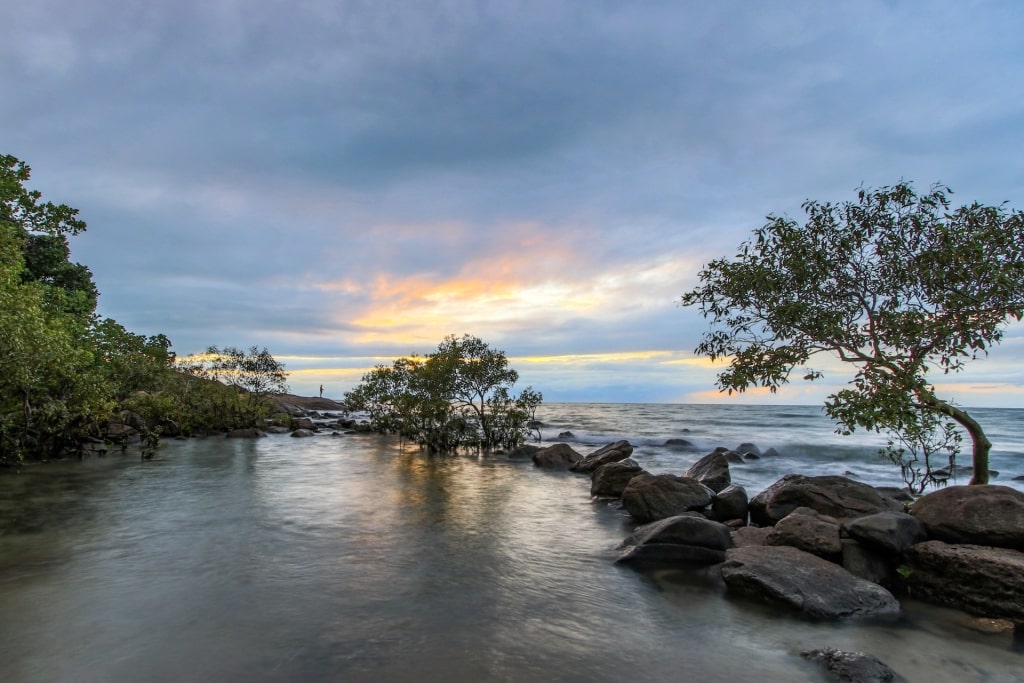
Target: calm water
346	559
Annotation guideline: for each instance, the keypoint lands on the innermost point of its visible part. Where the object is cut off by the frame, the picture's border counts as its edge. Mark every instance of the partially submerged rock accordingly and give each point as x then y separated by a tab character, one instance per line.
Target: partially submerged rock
558	457
613	452
650	497
246	433
682	541
983	515
712	470
980	580
804	581
853	667
610	480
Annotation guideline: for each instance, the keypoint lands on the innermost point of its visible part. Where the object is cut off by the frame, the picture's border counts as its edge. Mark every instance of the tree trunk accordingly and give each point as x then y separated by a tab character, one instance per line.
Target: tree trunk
981	444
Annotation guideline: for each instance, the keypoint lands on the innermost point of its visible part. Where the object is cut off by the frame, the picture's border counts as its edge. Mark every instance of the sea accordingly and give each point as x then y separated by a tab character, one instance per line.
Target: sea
804	438
350	557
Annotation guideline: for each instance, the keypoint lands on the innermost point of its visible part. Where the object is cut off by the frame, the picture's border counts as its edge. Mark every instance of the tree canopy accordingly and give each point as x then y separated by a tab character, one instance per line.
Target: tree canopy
458	396
899	285
67	375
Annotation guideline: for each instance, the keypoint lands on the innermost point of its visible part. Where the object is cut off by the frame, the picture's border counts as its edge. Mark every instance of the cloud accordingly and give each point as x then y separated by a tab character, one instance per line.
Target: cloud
354	179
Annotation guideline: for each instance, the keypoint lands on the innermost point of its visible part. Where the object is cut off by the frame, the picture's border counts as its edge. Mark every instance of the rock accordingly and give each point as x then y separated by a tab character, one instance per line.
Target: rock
558	457
303	423
898	494
681	444
566	435
770	453
730	503
988	626
809	531
887	532
670	555
523	452
1019	477
983	515
834	496
246	433
684	540
609	481
751	456
277	429
303	433
750	535
650	497
712	470
748	448
853	667
980	580
613	452
687	529
866	563
804	581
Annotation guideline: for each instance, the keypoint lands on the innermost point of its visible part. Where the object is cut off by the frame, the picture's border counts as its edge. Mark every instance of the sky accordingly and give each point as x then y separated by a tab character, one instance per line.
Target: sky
345	182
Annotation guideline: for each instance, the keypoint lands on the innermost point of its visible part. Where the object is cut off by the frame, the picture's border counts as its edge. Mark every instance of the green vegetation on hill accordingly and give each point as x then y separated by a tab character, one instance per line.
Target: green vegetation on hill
69	376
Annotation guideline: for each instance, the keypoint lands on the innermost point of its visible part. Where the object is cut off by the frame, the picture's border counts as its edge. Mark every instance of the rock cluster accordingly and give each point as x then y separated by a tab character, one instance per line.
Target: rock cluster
829	547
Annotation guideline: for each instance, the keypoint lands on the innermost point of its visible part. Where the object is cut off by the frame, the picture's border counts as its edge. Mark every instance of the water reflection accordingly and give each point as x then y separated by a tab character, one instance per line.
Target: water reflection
349	559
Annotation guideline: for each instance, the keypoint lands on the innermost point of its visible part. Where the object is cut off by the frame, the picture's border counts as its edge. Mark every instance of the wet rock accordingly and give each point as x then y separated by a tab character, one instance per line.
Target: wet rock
983	515
558	457
523	452
303	433
303	423
804	581
712	470
246	433
613	452
609	481
730	503
853	667
868	564
887	532
681	444
810	531
980	580
750	535
566	435
277	429
650	497
834	496
770	453
748	448
681	541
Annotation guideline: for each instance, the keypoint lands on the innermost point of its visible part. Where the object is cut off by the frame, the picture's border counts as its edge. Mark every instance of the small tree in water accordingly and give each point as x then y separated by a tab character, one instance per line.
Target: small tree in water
458	396
896	284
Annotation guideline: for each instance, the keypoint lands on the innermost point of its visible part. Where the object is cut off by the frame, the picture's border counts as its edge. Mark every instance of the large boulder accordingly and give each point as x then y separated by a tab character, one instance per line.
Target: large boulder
888	532
561	456
303	433
804	581
613	452
853	667
983	515
687	540
809	531
834	496
609	481
981	580
730	503
650	497
712	470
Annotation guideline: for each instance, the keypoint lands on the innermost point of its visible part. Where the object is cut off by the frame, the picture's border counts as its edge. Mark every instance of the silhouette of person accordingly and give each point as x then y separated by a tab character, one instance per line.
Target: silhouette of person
321	391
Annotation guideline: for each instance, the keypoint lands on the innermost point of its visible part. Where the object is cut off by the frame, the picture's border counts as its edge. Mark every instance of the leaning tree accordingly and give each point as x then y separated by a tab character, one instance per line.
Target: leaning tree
897	284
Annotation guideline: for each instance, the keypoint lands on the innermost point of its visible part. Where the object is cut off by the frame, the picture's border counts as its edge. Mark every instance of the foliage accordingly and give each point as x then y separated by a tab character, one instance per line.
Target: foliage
66	373
458	396
896	284
254	374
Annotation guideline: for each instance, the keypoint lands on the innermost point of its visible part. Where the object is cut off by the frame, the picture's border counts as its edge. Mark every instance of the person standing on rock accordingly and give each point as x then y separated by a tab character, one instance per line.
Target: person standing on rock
321	391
